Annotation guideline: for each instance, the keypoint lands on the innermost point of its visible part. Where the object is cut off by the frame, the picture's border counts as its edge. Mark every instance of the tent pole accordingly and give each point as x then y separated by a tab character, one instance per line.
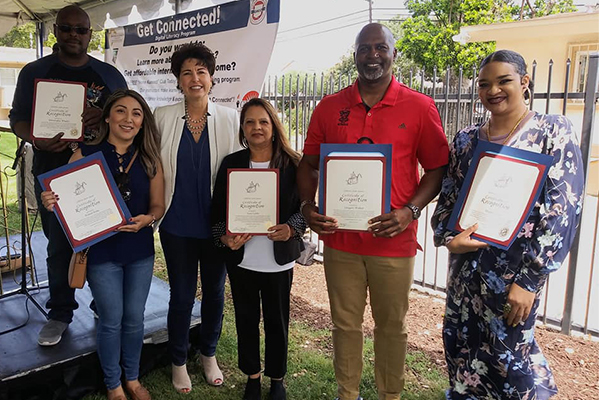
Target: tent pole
39	39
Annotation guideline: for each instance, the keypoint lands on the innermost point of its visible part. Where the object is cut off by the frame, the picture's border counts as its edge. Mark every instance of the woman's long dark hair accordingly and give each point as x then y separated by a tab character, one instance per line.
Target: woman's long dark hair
147	140
283	153
513	58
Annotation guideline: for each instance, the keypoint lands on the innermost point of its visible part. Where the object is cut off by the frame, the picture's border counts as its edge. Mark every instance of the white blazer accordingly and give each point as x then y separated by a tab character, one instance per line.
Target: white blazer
223	127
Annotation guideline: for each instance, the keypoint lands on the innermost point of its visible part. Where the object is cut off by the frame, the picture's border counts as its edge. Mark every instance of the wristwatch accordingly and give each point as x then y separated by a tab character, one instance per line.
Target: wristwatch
416	211
306	202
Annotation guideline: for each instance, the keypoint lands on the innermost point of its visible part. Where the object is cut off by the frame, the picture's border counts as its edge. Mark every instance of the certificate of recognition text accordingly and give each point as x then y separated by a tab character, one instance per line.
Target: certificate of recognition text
57	108
499	195
354	190
87	206
252	200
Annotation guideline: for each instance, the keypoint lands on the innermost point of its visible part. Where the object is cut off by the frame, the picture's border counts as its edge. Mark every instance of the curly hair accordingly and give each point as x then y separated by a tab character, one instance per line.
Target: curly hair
197	51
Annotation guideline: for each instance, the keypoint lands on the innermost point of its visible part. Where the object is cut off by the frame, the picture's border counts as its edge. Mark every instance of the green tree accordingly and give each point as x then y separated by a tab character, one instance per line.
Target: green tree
24	36
427	34
20	36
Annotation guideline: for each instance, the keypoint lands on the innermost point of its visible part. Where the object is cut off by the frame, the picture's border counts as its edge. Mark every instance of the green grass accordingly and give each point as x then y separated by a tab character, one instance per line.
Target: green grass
8	180
310	370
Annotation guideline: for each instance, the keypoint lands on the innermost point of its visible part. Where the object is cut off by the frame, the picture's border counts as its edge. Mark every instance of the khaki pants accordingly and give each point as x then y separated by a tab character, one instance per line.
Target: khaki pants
389	280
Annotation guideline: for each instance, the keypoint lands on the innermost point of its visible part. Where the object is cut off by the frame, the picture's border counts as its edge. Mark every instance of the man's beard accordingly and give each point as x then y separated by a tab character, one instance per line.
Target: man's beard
372	74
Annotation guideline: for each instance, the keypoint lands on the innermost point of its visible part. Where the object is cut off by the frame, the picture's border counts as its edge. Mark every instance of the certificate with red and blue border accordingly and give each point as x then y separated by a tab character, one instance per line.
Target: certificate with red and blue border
354	183
90	207
499	192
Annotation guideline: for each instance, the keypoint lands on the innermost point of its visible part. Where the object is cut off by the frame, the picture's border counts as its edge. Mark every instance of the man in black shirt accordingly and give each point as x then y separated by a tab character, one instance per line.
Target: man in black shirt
70	63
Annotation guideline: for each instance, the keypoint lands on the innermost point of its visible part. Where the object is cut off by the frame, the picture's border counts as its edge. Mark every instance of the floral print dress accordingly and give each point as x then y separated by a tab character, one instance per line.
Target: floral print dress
487	359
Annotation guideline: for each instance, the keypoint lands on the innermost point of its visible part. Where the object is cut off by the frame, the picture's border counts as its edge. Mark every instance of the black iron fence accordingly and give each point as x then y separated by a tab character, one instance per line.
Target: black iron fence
455	94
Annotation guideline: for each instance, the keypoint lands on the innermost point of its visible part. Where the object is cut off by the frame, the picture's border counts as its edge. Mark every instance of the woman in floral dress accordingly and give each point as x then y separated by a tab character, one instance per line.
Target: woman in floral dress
493	294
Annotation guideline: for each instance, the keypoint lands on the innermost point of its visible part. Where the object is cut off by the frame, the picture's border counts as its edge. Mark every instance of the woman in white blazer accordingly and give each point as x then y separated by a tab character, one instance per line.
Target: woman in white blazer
196	135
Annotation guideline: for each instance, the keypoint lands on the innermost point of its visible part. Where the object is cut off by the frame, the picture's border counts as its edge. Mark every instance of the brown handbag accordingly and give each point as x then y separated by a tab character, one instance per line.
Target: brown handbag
77	269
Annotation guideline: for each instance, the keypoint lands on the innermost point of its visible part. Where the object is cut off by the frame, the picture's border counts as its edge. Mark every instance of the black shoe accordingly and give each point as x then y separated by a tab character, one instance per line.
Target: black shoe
277	391
358	398
252	391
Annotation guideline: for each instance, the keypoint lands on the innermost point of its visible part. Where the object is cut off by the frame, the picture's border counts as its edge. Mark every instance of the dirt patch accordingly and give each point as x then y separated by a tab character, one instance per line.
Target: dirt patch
573	360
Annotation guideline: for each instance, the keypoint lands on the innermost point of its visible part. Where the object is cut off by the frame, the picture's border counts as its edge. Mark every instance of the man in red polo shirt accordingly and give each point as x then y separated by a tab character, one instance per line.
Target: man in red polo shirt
377	107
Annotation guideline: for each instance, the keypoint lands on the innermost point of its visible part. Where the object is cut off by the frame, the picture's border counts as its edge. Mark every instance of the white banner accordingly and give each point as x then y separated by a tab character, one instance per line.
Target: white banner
241	34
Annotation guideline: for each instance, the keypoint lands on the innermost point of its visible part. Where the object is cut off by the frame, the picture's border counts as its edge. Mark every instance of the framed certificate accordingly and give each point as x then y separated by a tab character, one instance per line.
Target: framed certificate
90	208
57	107
355	183
499	192
252	200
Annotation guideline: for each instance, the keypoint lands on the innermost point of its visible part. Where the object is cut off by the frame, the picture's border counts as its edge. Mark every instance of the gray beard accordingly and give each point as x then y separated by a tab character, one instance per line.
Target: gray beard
378	73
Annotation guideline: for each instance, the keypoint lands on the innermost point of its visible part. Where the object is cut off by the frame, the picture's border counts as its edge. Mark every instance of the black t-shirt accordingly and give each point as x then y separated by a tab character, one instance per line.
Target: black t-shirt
102	79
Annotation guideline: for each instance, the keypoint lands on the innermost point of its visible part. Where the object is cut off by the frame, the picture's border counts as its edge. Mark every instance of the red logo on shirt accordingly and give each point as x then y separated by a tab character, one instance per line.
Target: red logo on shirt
344	114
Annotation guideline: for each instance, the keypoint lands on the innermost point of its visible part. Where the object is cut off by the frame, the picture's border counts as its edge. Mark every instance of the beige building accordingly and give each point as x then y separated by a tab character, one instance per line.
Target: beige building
11	62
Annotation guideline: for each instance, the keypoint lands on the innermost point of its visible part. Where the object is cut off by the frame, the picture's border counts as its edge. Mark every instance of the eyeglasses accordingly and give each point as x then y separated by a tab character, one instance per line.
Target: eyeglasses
80	30
122	181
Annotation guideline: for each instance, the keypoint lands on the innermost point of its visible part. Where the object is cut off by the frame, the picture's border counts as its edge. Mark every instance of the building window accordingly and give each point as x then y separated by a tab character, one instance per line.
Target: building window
8	76
580	56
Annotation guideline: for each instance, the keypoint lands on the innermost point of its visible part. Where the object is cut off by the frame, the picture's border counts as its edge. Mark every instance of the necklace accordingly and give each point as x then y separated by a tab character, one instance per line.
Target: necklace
487	132
196	126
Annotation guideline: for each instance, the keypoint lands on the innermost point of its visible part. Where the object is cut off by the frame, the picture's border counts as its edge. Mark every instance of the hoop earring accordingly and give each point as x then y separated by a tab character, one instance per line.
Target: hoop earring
527	99
477	107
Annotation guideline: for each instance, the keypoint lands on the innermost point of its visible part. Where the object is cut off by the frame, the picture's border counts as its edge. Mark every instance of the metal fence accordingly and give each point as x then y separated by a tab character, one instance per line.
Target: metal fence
570	299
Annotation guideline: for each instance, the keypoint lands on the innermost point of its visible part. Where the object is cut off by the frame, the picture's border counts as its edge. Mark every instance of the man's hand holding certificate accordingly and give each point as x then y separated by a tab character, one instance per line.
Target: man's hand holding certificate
355	184
57	109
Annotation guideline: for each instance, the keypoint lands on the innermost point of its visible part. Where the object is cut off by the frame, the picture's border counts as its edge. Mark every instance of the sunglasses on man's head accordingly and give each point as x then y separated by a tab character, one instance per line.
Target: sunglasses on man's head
80	30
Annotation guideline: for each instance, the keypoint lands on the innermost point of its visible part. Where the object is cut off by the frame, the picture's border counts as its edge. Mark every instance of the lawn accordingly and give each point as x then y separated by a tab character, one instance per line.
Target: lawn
310	371
8	180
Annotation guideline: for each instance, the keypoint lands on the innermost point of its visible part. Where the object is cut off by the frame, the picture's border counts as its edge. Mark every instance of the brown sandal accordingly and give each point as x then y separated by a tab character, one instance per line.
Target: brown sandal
112	395
139	393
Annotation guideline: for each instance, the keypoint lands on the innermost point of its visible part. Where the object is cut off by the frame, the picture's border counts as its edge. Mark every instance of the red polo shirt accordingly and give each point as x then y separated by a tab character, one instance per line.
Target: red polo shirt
409	121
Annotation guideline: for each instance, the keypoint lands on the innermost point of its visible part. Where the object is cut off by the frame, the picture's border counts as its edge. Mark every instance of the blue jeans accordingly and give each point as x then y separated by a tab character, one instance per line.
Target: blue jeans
120	292
182	256
62	297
